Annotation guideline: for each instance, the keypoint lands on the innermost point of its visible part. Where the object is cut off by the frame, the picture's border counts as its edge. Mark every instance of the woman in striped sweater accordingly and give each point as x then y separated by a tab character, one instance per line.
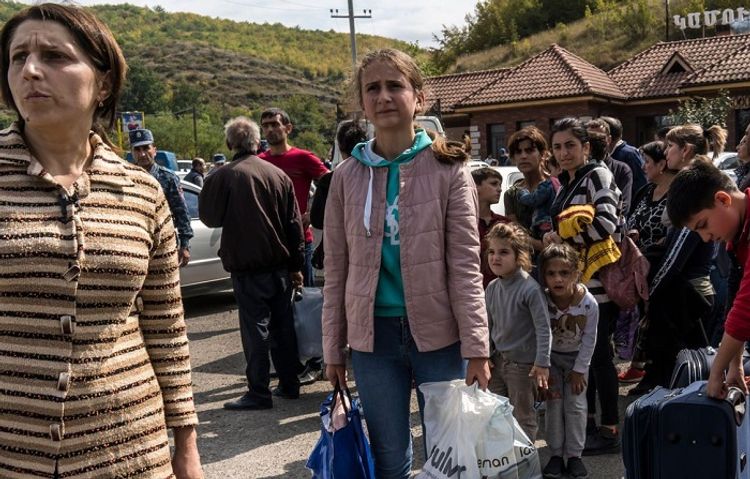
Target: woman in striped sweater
591	183
94	362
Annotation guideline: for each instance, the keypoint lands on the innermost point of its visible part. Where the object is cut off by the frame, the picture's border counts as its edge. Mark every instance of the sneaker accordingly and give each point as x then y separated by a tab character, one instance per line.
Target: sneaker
631	375
603	442
576	468
554	468
309	376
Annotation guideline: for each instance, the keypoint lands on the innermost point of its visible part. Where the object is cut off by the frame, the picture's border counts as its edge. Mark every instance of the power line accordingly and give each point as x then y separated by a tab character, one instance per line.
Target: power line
351	16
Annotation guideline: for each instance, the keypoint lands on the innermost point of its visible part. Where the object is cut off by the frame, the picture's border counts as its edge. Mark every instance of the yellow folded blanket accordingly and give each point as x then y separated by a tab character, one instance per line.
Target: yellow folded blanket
573	221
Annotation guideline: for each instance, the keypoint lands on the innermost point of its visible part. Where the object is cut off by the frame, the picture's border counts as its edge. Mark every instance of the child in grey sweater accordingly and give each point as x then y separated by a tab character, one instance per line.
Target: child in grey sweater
519	324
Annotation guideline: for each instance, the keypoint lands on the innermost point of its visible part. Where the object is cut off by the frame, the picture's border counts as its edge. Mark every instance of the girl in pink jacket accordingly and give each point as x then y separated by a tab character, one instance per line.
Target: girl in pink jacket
403	287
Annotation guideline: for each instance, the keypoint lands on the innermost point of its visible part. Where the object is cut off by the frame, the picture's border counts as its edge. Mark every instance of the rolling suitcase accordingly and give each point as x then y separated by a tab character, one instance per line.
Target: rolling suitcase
695	365
682	433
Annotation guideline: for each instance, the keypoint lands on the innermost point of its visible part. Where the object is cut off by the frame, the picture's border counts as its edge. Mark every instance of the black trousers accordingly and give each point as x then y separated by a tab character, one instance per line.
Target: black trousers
602	373
267	323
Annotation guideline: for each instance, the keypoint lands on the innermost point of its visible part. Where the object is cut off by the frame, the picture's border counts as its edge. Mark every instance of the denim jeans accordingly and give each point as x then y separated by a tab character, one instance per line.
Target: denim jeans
384	382
307	269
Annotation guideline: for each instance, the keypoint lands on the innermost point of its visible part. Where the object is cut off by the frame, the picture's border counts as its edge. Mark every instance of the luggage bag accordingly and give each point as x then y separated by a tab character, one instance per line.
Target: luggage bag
682	433
695	365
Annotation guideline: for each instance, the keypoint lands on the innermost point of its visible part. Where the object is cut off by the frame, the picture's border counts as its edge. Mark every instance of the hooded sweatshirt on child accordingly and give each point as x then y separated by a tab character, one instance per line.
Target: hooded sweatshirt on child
389	297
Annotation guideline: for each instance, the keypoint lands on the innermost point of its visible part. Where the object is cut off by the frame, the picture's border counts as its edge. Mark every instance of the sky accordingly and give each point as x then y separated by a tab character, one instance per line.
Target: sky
388	16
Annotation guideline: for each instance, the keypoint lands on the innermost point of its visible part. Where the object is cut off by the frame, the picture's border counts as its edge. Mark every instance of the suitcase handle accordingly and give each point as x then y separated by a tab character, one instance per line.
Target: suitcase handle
736	398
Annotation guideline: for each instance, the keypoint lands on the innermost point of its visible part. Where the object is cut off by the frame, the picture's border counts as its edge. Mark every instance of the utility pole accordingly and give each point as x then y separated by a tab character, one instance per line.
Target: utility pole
666	20
351	16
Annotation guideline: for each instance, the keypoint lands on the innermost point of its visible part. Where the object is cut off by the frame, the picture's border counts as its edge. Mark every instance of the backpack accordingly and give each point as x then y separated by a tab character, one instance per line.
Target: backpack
626	281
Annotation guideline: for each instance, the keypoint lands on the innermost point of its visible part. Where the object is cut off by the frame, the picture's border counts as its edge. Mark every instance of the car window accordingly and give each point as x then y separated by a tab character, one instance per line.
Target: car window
191	199
729	163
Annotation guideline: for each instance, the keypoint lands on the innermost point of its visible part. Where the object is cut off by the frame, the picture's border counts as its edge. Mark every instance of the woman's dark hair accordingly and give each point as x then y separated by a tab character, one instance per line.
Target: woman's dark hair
350	133
598	142
530	133
655	150
92	36
574	125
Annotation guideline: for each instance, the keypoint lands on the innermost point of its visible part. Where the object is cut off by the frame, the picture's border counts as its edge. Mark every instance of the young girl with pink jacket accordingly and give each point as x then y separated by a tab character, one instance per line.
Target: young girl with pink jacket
403	287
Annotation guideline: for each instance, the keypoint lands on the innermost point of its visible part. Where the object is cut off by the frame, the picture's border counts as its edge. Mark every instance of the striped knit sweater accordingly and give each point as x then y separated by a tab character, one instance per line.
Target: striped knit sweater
593	184
94	362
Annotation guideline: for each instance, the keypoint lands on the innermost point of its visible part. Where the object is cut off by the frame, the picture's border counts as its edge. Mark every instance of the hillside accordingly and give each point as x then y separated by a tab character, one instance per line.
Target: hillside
227	68
616	31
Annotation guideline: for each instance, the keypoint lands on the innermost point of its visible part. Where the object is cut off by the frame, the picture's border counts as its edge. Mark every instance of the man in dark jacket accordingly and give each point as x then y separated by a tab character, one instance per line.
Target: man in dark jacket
621	151
262	246
622	173
197	172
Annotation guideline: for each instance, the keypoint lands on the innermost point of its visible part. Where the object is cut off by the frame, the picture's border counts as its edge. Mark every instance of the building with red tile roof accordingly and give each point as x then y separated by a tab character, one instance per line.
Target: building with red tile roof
555	83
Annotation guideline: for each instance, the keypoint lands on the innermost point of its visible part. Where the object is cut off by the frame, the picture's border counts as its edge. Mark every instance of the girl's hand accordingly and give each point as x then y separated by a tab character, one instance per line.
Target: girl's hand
541	377
577	382
550	238
478	370
736	377
336	372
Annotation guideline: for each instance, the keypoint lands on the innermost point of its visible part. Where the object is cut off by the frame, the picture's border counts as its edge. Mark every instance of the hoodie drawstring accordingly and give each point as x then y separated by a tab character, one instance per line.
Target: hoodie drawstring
368	206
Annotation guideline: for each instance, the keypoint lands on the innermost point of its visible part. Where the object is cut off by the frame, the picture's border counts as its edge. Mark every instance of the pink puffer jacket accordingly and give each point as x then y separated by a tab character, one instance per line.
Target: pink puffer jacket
439	257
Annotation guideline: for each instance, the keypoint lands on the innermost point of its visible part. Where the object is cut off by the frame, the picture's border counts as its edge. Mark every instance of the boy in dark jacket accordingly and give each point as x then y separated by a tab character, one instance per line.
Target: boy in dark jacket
706	201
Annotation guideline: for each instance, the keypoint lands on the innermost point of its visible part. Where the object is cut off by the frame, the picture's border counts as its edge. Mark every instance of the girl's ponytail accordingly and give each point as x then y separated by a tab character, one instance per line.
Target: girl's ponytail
447	152
716	137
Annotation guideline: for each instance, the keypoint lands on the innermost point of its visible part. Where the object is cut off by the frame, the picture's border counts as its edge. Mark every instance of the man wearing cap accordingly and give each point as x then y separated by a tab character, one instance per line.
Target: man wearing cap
144	153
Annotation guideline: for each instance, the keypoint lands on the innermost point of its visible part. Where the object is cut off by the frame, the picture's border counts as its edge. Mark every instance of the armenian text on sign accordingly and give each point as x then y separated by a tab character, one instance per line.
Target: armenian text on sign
711	18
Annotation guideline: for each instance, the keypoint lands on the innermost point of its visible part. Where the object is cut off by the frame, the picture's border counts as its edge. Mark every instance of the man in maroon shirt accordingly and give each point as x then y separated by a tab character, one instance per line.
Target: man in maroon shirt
303	168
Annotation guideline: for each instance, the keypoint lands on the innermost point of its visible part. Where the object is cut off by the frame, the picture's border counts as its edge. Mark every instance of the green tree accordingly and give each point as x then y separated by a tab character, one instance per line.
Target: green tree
144	90
186	95
703	111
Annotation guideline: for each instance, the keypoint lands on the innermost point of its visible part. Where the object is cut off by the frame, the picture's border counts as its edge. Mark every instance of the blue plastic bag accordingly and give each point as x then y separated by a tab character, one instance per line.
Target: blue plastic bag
345	452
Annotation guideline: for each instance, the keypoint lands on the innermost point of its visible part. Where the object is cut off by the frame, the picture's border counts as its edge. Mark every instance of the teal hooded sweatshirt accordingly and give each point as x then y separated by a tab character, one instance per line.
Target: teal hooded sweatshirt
389	297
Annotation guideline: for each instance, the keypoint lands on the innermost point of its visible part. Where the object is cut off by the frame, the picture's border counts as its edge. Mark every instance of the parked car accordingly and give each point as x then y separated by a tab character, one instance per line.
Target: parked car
510	175
184	167
727	160
204	273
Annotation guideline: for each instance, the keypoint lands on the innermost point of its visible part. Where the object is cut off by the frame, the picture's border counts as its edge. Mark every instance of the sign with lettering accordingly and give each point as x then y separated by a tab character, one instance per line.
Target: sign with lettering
711	18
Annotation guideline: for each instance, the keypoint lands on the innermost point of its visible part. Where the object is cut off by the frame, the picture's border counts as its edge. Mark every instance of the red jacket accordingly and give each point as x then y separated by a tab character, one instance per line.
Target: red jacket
737	324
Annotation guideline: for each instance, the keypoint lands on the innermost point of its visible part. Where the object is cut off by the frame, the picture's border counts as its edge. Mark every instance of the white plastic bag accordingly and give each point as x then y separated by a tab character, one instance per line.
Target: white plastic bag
505	451
471	434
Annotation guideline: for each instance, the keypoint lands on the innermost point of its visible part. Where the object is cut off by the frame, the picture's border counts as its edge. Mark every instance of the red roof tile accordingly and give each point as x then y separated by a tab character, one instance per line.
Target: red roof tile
715	60
451	89
553	73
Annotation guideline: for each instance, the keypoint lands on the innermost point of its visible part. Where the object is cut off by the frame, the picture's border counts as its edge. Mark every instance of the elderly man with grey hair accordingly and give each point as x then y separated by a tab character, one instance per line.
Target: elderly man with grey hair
262	246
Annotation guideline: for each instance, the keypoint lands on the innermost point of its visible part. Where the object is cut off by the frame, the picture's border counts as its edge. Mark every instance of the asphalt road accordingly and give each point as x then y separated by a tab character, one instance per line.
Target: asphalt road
273	443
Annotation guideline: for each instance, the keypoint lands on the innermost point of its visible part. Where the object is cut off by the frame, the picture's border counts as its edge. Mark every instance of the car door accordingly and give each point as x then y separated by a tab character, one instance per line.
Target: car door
204	268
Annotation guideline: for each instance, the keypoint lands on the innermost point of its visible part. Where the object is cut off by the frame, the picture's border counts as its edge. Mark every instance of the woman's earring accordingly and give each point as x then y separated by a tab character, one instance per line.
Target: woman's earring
101	104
